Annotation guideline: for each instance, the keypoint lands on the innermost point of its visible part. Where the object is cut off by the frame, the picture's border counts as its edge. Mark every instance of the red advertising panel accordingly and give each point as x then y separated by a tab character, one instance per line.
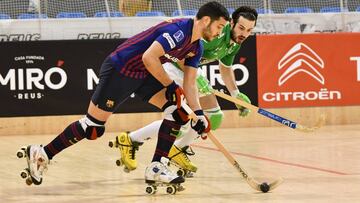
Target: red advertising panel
308	70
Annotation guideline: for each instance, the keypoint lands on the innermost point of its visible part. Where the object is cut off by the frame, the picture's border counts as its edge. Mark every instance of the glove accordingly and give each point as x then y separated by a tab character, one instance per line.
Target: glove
202	125
242	110
203	85
174	94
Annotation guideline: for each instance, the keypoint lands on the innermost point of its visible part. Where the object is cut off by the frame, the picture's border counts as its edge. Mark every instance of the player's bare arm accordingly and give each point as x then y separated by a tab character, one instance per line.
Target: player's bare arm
190	88
228	76
151	59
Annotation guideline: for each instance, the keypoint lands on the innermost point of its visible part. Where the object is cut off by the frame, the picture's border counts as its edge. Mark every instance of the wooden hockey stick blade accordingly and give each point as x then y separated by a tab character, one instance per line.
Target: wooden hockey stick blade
268	114
257	186
318	125
251	181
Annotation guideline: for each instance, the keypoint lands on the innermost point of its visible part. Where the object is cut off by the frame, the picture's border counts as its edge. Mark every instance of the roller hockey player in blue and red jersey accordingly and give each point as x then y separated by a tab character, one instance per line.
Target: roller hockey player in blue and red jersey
136	67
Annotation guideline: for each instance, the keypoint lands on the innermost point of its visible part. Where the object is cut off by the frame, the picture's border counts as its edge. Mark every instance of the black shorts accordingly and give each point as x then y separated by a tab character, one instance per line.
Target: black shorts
113	88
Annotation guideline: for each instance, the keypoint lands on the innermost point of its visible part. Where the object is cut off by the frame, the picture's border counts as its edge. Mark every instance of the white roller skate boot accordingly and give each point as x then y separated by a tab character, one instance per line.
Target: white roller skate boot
37	162
157	174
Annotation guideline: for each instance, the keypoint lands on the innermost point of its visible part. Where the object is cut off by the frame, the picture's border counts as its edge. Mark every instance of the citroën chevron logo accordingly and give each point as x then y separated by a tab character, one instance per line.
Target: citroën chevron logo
301	58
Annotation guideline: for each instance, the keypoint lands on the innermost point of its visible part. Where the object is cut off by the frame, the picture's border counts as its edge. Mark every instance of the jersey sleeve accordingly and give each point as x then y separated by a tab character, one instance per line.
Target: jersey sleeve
194	61
170	36
228	60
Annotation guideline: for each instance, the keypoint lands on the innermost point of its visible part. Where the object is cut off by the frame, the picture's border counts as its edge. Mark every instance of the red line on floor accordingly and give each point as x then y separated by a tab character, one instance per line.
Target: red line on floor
276	161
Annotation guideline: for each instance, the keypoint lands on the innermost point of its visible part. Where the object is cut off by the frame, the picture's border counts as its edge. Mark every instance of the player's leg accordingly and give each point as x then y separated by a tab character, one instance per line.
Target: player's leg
158	170
152	129
212	109
111	90
129	142
177	75
215	115
181	149
167	134
92	126
146	133
38	157
178	155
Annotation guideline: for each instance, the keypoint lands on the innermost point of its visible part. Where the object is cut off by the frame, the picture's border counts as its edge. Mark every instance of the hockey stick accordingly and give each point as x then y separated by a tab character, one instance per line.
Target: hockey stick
270	115
263	187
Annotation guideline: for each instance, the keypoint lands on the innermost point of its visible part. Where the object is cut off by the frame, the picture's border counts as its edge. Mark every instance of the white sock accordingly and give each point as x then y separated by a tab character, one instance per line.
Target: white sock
147	132
187	138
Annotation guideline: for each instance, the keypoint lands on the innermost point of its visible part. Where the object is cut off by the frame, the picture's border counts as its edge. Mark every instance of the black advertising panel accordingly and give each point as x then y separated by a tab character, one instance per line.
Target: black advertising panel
54	77
39	78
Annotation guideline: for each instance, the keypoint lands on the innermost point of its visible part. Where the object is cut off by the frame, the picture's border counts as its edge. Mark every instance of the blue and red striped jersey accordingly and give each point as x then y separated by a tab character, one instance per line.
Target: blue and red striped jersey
174	36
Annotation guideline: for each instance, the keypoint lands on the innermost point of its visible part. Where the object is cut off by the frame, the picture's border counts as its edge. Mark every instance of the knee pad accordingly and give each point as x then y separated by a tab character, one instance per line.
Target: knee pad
180	116
215	117
172	113
92	129
93	132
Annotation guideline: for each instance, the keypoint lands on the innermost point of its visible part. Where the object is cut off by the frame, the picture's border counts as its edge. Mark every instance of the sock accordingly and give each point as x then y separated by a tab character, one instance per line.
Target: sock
167	135
71	135
186	139
147	132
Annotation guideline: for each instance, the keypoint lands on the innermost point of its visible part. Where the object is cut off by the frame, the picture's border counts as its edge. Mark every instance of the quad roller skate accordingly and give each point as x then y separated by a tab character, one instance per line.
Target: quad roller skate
37	162
159	175
179	157
172	189
127	151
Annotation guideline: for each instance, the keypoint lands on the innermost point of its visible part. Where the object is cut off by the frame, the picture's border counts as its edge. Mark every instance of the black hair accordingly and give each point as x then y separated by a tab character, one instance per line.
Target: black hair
246	12
214	10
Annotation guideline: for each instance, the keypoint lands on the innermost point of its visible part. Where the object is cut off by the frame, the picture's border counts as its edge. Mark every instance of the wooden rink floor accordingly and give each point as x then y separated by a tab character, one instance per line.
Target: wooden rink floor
323	166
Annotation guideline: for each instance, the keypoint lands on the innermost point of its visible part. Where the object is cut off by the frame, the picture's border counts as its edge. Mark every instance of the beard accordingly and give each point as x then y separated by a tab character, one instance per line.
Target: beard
236	39
207	34
232	35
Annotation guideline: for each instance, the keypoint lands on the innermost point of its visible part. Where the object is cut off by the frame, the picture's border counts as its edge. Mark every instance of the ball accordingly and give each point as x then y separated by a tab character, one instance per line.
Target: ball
264	187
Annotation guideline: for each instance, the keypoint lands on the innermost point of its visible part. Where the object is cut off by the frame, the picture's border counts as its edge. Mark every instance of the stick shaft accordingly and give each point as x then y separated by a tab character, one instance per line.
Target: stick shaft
192	115
251	181
222	149
228	156
261	111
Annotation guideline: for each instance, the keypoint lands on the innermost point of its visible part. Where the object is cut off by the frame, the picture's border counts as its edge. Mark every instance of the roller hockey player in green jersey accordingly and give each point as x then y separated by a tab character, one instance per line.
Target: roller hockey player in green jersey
224	49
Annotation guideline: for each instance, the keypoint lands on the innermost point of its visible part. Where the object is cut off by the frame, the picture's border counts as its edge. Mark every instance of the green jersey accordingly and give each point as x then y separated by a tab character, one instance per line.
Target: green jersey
220	48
